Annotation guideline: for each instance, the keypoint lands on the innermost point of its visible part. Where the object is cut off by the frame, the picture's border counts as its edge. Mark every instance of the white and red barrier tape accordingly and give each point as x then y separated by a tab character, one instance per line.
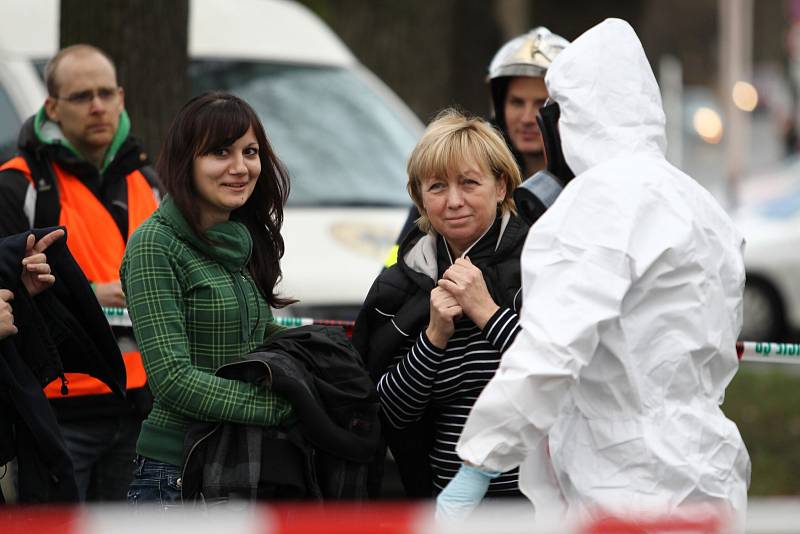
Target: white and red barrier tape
120	317
287	519
777	516
749	351
766	351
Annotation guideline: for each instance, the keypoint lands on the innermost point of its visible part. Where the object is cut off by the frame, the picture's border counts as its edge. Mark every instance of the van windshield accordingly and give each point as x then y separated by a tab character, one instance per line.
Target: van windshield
341	142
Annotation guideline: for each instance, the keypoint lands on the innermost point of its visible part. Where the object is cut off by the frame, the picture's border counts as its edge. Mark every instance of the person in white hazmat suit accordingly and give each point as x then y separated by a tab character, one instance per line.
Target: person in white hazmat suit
632	286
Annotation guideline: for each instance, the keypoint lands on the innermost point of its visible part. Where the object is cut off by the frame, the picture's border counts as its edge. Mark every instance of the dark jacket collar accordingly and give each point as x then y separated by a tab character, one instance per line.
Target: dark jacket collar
479	253
420	252
129	156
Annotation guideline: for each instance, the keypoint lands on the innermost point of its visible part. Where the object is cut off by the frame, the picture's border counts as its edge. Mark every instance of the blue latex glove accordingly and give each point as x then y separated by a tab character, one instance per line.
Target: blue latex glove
463	493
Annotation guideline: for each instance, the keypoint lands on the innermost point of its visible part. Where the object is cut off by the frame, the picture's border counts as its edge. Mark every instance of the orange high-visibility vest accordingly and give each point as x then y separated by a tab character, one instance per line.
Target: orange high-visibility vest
96	244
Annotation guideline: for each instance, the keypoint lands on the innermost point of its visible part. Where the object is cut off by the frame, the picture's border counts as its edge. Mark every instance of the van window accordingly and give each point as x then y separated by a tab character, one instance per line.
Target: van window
341	142
10	124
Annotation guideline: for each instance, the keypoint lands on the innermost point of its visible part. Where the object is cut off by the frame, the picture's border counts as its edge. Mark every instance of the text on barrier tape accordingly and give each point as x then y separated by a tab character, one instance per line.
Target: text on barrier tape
119	317
767	351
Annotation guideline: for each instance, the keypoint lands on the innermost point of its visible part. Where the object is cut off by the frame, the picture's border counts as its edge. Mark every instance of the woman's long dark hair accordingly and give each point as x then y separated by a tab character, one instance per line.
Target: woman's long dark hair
215	120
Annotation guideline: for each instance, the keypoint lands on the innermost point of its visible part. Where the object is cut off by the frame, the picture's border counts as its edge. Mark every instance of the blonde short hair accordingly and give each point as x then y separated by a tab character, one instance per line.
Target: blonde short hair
451	138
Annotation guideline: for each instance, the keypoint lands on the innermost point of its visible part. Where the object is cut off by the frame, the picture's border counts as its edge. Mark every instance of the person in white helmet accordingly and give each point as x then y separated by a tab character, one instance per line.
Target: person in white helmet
516	83
517	90
632	282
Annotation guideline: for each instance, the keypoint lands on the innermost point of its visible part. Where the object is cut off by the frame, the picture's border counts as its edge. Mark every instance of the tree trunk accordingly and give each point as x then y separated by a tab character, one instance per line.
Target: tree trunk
471	50
148	41
513	17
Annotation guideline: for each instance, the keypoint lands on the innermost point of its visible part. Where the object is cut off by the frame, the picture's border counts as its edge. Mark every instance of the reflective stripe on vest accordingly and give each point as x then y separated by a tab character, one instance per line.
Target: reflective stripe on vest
96	244
18	163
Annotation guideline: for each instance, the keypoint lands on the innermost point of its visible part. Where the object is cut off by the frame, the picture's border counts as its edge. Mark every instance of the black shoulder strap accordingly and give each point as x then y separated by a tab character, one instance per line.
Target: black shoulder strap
150	175
48	207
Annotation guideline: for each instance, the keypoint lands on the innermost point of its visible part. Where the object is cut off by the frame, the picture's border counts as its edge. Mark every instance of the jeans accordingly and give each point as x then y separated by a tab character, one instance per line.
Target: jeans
102	451
155	482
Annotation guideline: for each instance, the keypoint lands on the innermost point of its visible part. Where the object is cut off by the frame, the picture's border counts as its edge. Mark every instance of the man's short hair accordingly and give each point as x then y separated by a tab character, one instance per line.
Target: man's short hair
52	65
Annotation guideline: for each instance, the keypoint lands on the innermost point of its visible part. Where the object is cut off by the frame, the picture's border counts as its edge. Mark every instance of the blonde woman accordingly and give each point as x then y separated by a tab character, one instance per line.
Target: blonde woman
435	324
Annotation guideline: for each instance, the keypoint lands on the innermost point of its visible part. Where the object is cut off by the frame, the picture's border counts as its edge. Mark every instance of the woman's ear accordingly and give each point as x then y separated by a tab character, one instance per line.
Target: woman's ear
500	189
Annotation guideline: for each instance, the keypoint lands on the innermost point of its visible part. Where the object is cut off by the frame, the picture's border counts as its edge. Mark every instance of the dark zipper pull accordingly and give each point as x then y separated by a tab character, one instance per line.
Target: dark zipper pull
240	281
64	388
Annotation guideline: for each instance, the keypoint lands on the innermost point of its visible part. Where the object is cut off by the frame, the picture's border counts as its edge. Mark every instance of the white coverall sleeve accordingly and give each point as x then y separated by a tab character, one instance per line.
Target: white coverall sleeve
575	274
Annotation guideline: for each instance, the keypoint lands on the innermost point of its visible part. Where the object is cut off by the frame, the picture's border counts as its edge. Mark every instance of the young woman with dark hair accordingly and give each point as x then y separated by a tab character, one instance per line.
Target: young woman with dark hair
199	276
209	123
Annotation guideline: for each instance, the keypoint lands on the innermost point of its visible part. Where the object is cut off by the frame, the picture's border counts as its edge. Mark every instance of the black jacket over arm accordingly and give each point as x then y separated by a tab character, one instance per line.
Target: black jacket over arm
325	455
61	330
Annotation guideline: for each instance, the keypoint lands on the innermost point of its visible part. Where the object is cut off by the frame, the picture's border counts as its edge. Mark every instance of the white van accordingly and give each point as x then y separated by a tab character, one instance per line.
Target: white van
343	135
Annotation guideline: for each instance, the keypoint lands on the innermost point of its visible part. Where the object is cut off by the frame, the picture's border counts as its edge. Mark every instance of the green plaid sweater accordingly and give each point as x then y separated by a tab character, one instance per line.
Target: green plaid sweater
194	308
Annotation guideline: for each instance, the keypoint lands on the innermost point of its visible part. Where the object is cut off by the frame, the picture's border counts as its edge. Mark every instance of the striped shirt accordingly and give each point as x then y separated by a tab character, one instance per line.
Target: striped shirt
449	382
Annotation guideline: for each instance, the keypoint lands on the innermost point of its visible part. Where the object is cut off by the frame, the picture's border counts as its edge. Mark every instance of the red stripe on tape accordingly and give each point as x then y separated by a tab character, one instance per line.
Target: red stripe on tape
39	520
375	518
616	525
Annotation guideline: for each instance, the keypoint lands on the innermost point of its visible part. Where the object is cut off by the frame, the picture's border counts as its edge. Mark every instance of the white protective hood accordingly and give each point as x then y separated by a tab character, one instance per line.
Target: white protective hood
609	99
632	287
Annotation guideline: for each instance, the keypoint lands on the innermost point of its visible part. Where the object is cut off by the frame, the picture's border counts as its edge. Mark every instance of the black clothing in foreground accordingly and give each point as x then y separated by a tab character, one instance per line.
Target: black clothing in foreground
61	330
324	455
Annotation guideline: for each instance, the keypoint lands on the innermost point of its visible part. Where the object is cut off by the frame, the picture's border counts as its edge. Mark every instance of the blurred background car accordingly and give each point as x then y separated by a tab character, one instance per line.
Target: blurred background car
769	218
